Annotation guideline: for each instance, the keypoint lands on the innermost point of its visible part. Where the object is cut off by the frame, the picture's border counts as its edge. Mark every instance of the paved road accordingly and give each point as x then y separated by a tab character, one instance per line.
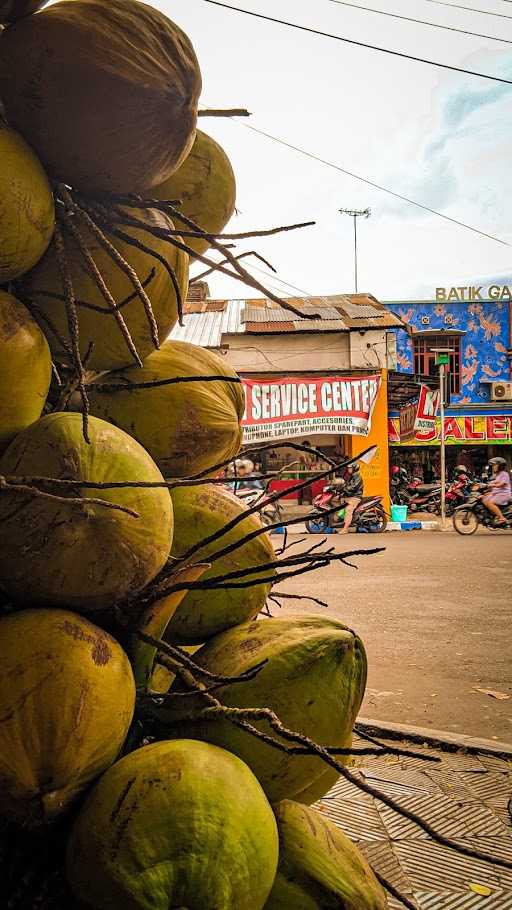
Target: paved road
435	613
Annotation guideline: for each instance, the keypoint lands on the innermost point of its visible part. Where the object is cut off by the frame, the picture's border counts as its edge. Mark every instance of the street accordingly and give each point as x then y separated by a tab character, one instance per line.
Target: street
435	613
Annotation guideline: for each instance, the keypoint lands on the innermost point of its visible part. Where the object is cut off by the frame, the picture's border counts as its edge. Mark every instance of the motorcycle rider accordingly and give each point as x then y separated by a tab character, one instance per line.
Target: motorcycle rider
244	468
353	489
500	489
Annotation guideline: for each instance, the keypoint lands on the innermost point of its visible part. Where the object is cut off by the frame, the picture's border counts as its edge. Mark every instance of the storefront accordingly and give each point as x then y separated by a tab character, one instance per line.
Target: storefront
471	439
337	415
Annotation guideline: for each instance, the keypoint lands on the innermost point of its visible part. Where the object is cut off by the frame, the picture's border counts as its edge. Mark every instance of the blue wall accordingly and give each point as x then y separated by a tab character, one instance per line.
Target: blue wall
483	346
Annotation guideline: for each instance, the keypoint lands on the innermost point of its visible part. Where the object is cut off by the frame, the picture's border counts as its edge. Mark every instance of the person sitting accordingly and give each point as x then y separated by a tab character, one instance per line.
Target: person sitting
500	489
353	490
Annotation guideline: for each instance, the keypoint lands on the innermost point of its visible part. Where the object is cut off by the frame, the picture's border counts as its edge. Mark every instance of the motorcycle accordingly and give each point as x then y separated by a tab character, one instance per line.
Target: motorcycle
423	497
369	515
456	494
270	512
468	516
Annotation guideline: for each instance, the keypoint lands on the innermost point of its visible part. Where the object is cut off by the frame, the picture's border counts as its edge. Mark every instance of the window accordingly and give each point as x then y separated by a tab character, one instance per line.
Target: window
425	359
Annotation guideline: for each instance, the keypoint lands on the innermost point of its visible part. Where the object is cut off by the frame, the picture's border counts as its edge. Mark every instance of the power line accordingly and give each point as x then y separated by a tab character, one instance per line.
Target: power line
371	183
373	47
470	9
447	28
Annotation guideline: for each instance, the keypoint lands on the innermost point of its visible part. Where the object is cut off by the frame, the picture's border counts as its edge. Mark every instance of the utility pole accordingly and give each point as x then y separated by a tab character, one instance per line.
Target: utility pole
355	214
442	360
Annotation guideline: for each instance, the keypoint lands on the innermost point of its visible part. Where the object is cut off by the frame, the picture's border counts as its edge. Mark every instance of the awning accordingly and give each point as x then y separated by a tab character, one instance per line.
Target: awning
405	387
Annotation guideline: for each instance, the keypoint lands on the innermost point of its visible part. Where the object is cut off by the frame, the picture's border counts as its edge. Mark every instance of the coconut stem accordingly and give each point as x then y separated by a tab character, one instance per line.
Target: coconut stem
97	277
128	386
125	267
202	275
73	327
224	112
6	486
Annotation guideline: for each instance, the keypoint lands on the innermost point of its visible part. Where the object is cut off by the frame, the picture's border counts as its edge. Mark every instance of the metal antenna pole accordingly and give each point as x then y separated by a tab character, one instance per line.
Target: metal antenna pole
355	214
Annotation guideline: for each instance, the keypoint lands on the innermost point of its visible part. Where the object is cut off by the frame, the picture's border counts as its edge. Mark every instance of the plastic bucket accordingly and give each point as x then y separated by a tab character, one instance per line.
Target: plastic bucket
398	513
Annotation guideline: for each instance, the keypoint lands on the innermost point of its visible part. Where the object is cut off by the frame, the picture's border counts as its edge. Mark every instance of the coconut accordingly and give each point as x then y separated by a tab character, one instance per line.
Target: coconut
82	555
11	10
27	215
319	868
198	513
174	824
313	677
100	335
67	698
205	185
25	369
105	92
186	428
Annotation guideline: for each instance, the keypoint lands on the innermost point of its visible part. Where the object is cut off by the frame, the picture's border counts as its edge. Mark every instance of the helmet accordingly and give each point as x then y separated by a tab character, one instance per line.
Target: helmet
245	465
395	470
498	460
460	469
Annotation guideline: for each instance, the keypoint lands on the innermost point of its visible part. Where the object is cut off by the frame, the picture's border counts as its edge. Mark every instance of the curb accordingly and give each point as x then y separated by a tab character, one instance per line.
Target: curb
300	527
440	739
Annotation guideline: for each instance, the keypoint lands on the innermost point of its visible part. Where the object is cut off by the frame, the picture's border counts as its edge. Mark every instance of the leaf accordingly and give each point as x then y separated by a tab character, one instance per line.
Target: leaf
484	890
155	622
501	696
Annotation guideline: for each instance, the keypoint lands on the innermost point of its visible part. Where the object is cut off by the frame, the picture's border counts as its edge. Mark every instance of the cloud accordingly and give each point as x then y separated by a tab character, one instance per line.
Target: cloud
469	144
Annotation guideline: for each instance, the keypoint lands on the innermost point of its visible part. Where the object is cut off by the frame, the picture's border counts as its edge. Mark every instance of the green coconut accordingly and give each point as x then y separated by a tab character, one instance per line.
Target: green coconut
200	512
319	868
175	824
205	185
83	555
101	337
105	92
27	214
25	369
313	679
67	697
186	428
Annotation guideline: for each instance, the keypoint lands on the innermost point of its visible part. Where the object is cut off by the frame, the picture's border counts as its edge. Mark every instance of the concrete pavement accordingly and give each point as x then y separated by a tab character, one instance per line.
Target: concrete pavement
435	613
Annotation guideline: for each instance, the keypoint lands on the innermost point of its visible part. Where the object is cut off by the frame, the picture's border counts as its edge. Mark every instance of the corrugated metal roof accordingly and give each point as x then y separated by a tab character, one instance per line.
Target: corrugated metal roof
363	311
232	317
280	314
302	325
203	329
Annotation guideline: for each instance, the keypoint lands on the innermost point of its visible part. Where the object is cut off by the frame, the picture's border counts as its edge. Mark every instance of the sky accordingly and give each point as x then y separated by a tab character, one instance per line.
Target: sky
441	138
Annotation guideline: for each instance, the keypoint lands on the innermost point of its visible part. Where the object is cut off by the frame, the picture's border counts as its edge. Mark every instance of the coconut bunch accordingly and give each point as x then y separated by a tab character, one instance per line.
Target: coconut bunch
147	706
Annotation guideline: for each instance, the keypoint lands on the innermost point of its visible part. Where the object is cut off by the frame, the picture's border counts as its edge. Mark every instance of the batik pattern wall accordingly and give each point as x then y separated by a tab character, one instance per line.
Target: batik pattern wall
483	347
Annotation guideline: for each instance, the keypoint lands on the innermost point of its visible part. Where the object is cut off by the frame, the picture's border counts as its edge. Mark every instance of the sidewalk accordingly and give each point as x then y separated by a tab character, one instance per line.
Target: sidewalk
428	521
463	796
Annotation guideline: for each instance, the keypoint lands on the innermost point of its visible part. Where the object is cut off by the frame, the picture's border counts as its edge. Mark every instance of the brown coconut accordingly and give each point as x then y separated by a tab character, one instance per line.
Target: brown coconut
25	369
186	428
100	329
106	92
205	185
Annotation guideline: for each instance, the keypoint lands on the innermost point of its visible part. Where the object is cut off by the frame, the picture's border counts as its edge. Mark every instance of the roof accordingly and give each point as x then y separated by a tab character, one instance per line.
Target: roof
207	322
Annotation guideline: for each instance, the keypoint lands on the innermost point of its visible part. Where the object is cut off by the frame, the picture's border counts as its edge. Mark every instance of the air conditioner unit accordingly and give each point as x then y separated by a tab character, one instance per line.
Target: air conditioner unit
501	391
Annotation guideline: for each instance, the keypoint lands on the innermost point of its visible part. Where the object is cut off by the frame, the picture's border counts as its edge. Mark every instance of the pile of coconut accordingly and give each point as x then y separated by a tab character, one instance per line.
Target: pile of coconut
145	704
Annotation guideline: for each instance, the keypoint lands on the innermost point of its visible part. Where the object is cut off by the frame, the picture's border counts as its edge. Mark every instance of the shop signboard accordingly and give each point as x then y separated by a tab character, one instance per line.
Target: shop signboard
489	429
407	420
428	407
290	407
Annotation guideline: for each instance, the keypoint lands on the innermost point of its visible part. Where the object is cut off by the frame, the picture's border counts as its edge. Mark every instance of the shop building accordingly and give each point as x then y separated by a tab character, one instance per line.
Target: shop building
476	334
320	376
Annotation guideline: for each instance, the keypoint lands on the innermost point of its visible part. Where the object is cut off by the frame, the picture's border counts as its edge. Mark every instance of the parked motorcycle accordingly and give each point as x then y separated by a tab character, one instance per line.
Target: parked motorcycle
473	512
369	516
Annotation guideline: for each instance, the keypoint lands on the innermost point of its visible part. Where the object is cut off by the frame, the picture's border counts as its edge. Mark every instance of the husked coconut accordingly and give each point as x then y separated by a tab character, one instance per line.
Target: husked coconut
205	185
27	213
25	369
186	427
106	92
